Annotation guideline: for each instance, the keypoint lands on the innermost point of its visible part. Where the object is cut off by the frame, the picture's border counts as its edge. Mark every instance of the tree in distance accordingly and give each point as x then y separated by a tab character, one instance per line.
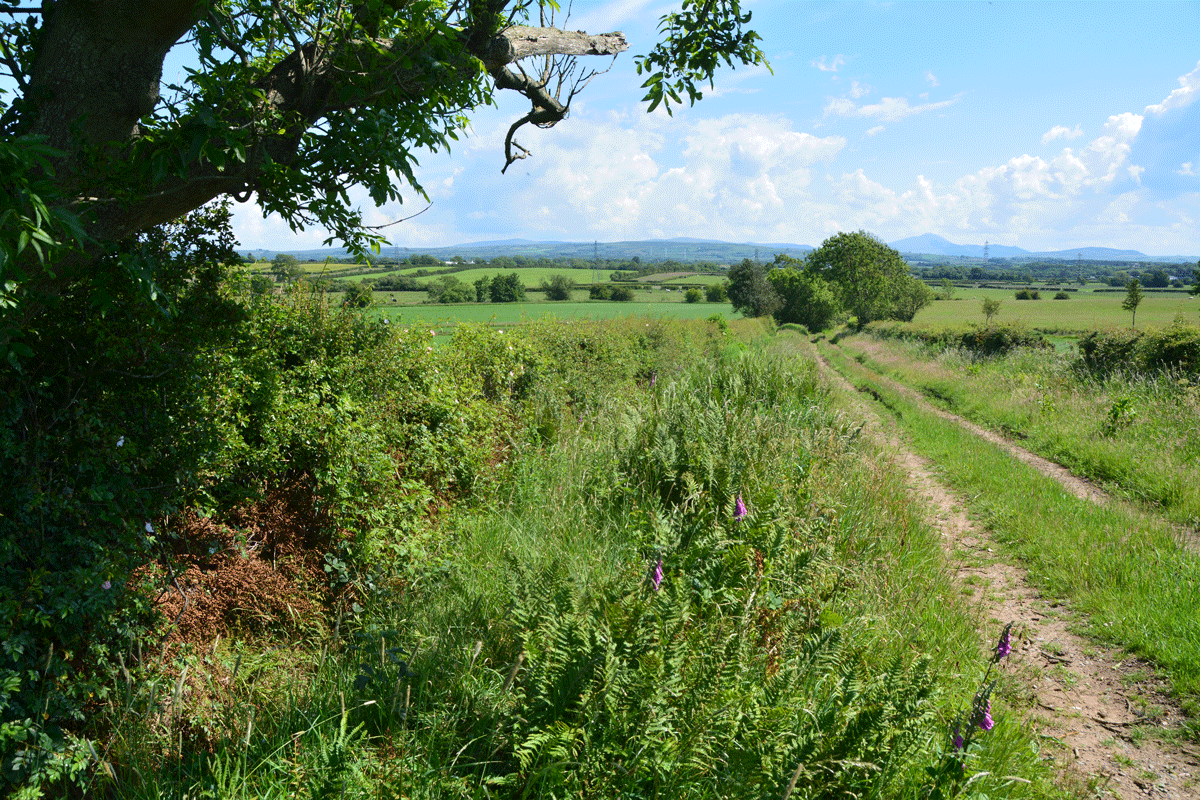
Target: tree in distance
359	295
871	279
621	294
693	295
559	287
804	297
449	289
600	292
717	292
991	307
285	268
749	290
1133	299
507	288
947	292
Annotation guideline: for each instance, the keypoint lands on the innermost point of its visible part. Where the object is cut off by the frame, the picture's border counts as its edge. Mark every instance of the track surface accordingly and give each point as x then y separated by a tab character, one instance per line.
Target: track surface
1094	707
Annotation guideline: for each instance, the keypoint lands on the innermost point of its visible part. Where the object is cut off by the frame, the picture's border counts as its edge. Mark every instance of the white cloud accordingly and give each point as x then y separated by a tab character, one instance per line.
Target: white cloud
932	79
888	109
1185	95
1186	169
875	130
858	90
1061	132
829	66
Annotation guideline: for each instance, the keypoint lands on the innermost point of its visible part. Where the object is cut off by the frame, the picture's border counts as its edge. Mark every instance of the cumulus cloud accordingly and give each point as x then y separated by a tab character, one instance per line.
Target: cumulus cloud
1061	132
826	65
1185	95
932	79
1186	169
875	130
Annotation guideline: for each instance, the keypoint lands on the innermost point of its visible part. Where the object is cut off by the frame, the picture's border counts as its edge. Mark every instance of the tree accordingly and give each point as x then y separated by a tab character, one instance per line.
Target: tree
289	103
1196	279
1157	279
359	295
507	288
559	287
804	297
749	290
622	294
286	268
717	292
1133	299
866	272
449	289
483	289
947	289
693	295
910	296
991	307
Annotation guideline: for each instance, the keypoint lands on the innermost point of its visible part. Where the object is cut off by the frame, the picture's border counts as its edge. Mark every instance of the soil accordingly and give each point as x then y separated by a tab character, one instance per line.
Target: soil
1103	716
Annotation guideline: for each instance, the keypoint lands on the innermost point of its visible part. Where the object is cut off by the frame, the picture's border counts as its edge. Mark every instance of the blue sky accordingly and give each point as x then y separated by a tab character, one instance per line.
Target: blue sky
1046	126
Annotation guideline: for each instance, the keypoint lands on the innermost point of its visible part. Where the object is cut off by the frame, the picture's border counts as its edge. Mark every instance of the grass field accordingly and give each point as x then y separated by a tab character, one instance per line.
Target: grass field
1085	311
516	313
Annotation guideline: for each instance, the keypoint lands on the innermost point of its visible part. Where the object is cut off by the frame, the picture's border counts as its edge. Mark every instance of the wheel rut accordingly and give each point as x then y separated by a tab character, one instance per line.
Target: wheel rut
1099	712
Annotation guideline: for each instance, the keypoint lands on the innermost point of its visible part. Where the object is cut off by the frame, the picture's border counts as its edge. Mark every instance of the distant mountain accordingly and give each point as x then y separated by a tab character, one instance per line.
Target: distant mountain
932	244
682	249
687	249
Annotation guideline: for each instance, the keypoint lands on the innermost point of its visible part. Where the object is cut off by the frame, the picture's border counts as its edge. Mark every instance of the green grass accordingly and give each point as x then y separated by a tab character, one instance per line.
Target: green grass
1136	435
817	643
509	314
1123	569
1085	310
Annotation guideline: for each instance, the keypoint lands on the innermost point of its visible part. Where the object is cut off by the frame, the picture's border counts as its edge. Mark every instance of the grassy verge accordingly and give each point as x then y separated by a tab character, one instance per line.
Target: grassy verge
1124	569
1135	434
710	589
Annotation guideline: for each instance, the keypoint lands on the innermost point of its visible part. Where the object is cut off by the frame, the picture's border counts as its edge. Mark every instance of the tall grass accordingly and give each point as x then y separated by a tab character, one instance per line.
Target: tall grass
1135	433
812	646
1127	570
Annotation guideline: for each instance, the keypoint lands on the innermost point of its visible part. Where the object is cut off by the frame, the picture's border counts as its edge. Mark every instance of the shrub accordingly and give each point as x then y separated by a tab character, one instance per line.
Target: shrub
693	295
1028	294
600	292
621	293
1062	296
717	292
559	287
1176	347
985	340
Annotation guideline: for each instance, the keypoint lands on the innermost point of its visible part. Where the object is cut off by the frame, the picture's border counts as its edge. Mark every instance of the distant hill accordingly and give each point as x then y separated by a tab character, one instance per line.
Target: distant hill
934	245
686	249
683	249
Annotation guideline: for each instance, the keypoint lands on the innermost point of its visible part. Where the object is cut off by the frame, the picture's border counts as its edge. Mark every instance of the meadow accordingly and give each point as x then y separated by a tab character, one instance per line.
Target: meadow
1084	311
663	306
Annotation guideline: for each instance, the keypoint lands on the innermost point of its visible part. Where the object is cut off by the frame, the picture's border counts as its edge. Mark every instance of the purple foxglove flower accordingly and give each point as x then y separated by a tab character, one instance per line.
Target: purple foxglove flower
657	577
106	585
739	508
958	738
1004	646
984	721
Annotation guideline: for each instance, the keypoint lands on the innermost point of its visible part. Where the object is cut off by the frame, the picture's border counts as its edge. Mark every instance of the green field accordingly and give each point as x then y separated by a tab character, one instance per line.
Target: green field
516	313
1085	310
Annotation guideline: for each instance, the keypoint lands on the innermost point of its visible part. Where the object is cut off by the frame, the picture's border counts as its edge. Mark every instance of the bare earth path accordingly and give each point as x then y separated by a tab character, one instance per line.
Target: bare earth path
1097	704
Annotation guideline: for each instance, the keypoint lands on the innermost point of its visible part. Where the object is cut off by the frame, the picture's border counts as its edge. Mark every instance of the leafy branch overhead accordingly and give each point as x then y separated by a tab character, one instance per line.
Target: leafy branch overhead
694	42
295	103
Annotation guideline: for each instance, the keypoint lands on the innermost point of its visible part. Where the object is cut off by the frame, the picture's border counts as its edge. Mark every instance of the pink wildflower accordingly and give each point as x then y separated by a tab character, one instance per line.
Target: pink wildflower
657	577
1004	646
739	508
106	585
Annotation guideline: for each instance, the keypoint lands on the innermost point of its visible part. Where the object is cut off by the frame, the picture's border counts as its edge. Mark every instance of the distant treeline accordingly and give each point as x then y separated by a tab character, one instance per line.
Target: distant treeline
1114	273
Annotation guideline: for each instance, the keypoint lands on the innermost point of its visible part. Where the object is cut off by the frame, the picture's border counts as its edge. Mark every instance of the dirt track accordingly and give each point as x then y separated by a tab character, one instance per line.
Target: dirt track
1096	708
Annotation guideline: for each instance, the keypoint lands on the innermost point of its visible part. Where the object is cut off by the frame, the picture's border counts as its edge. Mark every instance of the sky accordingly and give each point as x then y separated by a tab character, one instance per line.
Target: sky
1045	126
